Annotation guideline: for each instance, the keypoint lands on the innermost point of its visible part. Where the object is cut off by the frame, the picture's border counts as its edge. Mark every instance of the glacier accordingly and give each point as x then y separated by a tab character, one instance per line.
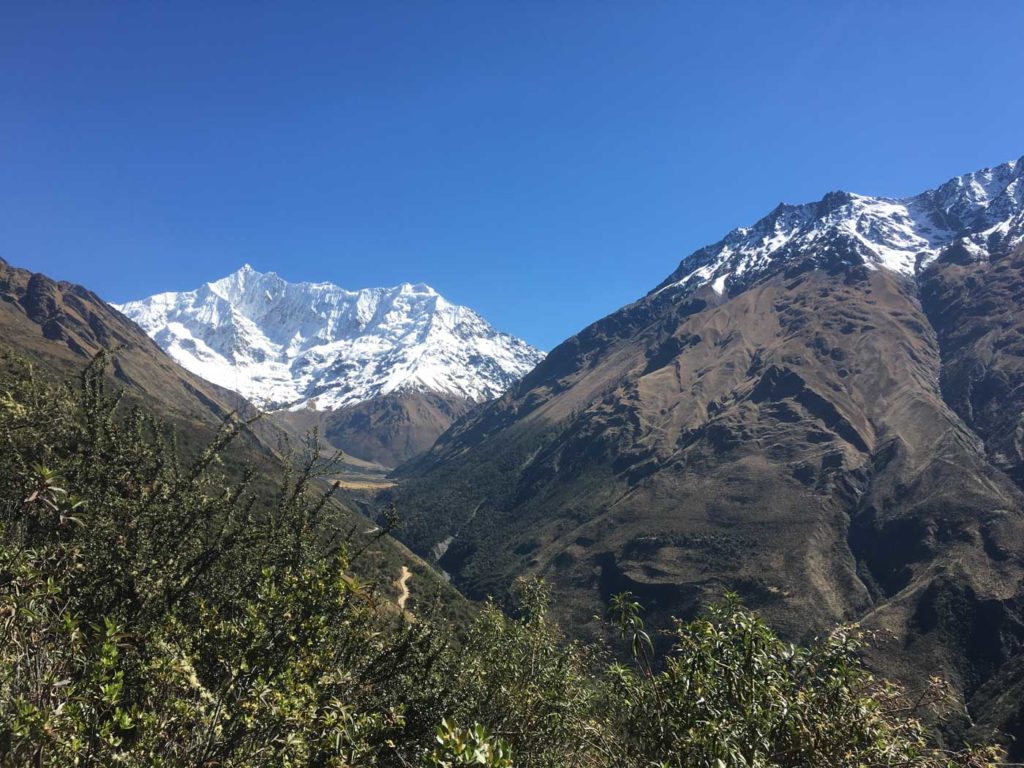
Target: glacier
317	345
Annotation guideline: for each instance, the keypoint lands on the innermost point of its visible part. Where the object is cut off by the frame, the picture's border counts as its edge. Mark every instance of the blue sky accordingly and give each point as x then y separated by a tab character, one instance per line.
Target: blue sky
542	162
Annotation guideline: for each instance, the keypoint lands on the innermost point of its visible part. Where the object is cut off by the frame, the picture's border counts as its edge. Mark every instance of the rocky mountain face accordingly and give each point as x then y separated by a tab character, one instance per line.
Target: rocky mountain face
60	326
317	347
822	412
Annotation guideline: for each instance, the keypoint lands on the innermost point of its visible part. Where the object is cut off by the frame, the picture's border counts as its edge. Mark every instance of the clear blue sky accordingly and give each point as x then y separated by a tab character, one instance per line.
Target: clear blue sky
542	162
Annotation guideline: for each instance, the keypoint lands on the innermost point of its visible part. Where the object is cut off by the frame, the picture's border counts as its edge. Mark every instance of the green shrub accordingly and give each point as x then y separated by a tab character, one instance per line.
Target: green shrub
731	694
163	614
473	746
160	611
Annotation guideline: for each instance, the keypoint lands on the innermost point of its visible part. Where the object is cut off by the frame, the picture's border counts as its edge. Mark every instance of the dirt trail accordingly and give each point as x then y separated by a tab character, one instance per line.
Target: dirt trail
403	587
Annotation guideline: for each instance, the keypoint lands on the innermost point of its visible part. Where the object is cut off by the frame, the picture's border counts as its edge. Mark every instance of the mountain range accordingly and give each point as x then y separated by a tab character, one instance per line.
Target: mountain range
384	370
823	412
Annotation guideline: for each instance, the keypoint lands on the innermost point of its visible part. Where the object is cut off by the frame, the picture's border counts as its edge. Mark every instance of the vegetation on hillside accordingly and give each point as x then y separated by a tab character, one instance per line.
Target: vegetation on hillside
157	611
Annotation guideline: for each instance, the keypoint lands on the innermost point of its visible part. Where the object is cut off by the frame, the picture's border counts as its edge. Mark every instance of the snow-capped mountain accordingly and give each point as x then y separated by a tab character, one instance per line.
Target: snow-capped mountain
980	212
317	345
821	412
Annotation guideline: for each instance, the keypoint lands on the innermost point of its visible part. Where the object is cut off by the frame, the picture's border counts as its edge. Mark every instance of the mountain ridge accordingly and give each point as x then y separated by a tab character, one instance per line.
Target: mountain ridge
903	235
320	346
380	372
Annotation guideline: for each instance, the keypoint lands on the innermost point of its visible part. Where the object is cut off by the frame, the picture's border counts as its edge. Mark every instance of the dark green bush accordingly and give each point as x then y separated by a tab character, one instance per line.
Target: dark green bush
158	611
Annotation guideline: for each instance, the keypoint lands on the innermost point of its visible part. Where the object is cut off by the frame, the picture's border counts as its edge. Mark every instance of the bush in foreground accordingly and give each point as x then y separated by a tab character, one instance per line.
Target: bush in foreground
156	611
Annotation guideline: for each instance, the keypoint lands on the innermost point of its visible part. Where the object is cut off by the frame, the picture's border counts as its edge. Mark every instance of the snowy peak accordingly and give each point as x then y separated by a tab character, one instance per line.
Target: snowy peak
979	210
982	199
287	344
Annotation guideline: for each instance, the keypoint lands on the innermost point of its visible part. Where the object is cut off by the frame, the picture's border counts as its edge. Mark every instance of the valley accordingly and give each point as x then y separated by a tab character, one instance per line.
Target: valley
820	414
511	385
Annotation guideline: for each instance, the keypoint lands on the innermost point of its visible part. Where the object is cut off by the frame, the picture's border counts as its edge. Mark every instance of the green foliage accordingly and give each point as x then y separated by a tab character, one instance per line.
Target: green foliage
733	695
161	611
473	746
528	685
162	614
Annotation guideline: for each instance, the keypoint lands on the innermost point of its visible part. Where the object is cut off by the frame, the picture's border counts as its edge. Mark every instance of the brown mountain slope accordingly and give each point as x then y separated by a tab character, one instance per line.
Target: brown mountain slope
61	326
806	440
975	306
386	430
